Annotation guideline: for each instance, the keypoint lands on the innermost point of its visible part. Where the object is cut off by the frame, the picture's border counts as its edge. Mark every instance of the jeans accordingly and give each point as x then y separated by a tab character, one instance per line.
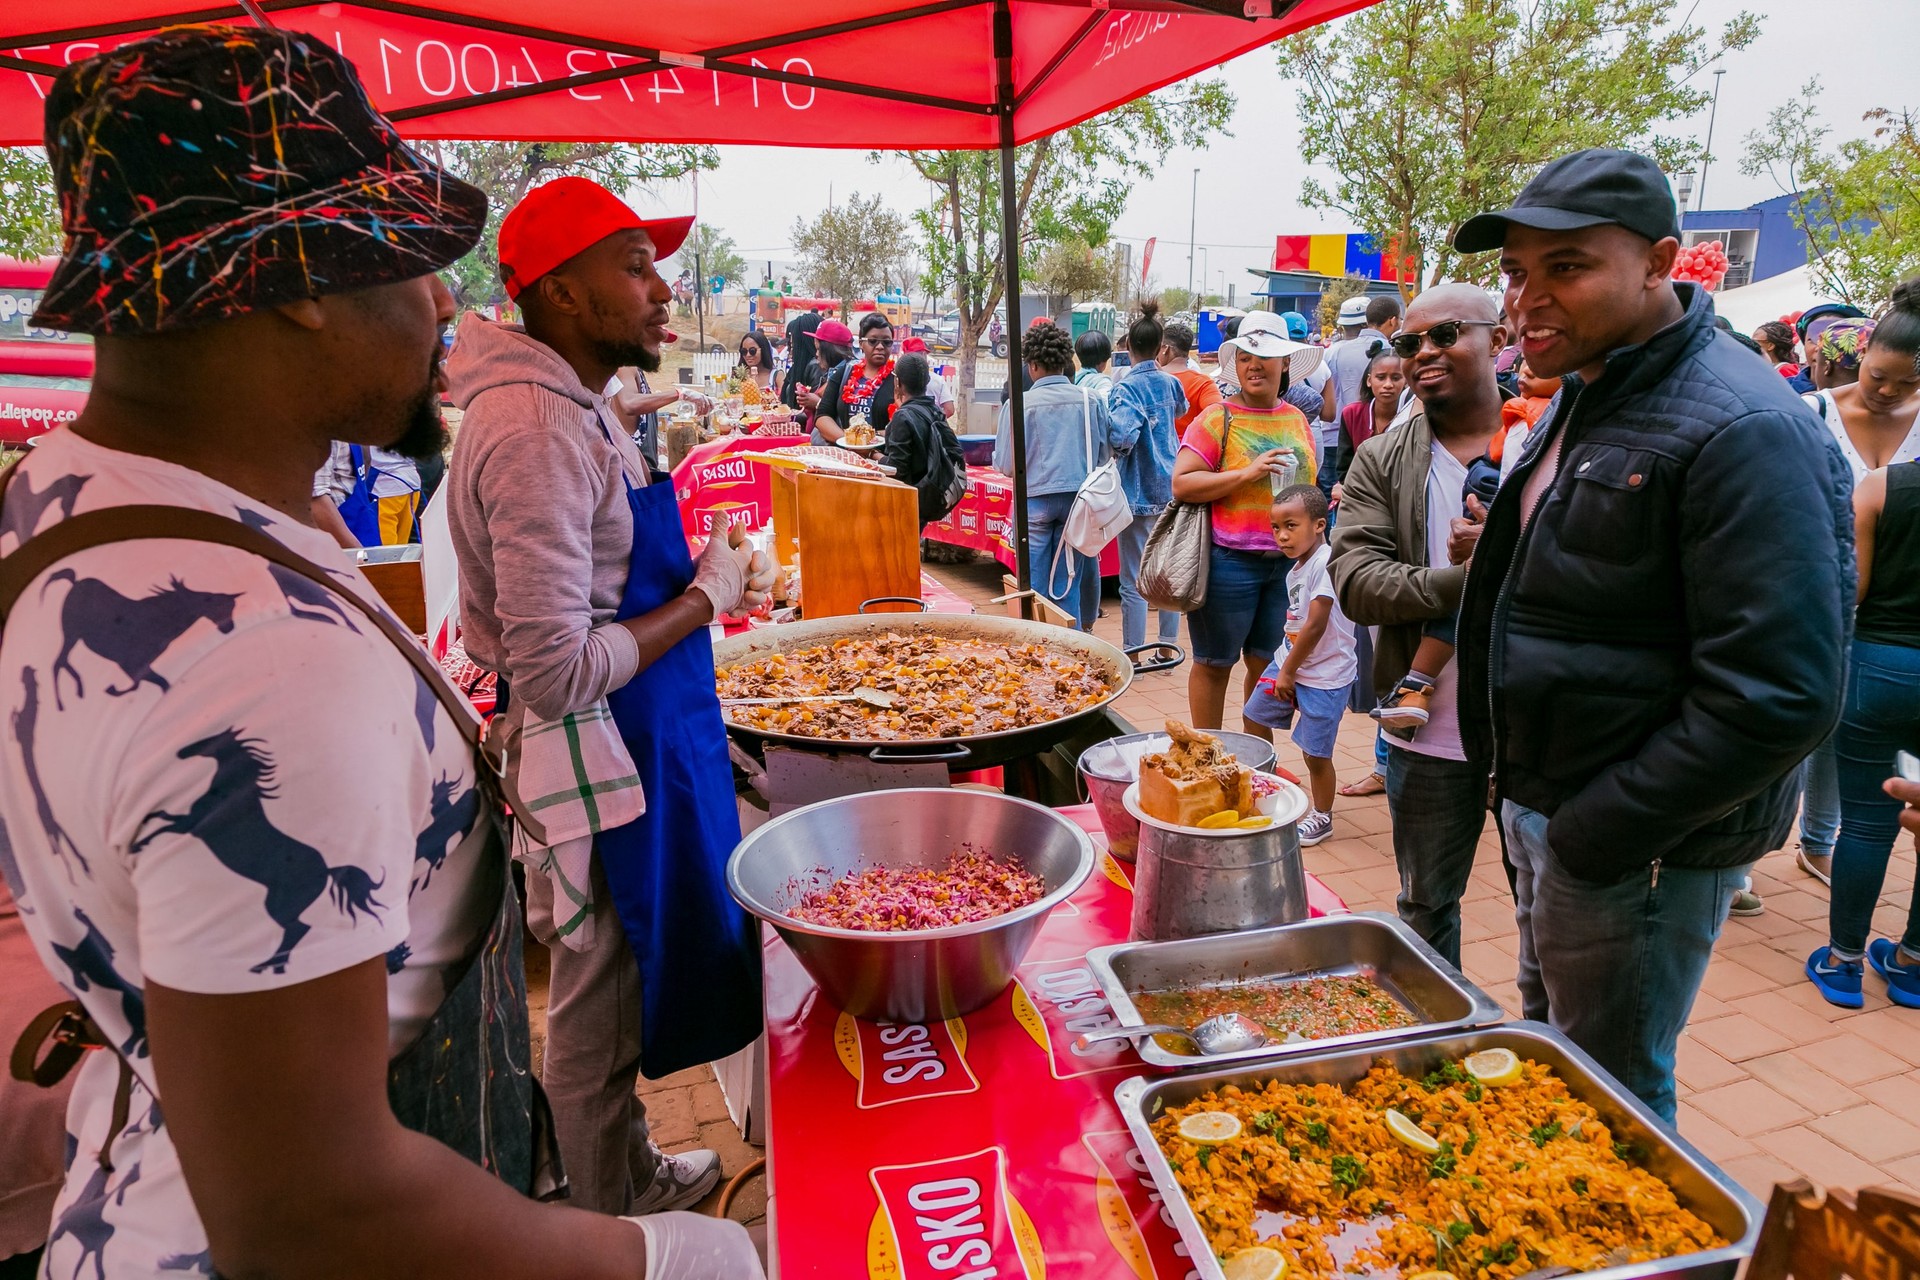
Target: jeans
1439	808
1245	612
1133	608
1614	967
1820	802
1046	530
1881	716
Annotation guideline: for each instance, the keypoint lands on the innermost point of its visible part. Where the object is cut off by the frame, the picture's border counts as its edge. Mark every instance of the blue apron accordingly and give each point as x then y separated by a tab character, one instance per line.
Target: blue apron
360	509
698	952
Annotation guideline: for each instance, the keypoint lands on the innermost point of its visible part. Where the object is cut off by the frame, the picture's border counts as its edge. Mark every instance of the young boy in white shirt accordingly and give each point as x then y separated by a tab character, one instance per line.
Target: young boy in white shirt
1316	667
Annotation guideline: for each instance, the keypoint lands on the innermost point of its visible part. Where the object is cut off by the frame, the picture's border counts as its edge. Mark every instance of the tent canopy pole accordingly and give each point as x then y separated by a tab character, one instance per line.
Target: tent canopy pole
1010	272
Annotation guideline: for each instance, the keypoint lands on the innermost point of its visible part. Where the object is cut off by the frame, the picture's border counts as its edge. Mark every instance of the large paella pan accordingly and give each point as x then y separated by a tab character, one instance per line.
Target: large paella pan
1090	672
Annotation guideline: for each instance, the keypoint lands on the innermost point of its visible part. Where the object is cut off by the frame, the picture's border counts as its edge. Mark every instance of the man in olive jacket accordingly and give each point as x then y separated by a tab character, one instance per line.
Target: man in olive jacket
1393	567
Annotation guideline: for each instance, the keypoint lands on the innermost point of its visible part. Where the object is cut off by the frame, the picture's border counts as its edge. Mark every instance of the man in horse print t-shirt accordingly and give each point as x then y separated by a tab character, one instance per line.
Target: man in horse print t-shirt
232	813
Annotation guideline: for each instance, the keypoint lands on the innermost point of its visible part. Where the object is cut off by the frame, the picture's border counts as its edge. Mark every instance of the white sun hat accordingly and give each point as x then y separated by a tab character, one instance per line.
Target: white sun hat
1264	334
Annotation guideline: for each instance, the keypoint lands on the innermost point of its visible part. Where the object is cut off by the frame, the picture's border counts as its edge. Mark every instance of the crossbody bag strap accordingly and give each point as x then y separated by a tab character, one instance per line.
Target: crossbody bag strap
1086	425
158	521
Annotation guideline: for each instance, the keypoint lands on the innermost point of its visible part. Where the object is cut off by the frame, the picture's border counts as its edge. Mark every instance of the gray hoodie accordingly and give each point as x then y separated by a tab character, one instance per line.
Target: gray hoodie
540	521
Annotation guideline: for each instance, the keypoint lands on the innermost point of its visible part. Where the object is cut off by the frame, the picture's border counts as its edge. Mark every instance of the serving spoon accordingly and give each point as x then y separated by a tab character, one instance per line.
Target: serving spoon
881	698
1222	1033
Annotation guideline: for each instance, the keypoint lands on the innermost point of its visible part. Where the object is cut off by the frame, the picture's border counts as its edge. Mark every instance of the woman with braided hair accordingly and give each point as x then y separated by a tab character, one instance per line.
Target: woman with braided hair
1069	433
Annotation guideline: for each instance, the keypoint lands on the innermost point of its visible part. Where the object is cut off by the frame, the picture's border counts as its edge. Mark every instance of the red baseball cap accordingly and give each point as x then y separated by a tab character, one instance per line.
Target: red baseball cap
559	219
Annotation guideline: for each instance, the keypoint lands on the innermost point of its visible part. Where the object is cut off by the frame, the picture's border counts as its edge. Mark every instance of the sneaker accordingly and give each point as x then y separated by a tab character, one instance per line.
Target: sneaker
1315	827
1405	709
1903	980
1836	980
1817	865
680	1182
1746	903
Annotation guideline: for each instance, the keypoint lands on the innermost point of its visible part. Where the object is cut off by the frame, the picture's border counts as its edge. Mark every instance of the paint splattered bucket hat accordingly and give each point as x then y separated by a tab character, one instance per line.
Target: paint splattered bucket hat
210	171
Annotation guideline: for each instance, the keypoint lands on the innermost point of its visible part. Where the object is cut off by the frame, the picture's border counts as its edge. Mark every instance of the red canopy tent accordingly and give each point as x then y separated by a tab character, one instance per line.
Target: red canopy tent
941	74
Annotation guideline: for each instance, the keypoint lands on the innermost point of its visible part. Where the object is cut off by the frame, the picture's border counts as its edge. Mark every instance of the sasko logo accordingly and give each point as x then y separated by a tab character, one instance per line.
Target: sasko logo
728	469
1057	1000
951	1219
904	1061
1132	1211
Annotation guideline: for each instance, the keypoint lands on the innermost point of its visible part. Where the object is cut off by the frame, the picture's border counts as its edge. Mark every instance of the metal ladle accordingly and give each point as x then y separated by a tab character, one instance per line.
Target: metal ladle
881	698
1222	1033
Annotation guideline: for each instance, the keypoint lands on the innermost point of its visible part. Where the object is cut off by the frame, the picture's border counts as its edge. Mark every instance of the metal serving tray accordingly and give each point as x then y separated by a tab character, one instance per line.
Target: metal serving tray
1378	945
1700	1186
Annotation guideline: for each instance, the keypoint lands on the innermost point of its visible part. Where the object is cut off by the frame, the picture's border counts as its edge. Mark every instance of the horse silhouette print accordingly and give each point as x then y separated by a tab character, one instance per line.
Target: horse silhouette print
129	632
449	822
231	820
25	506
86	1219
305	598
90	967
25	722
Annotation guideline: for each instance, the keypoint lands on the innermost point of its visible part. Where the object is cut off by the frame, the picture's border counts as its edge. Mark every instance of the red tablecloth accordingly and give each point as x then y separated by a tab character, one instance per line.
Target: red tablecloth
984	522
983	1146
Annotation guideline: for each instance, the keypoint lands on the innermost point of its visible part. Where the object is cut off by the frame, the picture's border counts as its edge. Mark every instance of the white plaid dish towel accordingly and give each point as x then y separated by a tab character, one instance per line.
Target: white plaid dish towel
575	777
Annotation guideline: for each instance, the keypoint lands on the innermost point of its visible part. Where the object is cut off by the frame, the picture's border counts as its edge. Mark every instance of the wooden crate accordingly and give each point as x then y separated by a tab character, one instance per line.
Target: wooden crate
1032	606
856	539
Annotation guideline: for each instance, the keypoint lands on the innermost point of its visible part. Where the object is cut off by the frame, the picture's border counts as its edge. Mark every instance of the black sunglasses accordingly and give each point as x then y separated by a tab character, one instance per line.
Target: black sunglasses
1445	334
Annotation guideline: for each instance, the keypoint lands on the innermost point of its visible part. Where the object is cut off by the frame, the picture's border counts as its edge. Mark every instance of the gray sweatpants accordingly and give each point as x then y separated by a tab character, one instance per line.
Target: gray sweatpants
593	1054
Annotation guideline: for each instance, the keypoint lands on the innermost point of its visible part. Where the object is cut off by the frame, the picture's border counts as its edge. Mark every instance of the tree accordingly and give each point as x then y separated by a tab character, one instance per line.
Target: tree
1327	314
1859	204
1430	111
1174	299
1070	185
30	228
852	250
1075	270
506	171
716	252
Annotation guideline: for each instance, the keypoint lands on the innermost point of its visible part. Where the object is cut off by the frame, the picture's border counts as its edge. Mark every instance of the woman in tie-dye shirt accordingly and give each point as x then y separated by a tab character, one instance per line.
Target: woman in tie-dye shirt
1236	456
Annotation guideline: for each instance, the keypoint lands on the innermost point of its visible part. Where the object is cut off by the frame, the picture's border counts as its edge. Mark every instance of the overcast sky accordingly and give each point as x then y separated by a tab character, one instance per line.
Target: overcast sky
1863	51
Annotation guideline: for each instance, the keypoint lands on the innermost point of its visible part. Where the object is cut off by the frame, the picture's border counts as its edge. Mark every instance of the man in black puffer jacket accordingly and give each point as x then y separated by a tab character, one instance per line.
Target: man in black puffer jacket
1653	628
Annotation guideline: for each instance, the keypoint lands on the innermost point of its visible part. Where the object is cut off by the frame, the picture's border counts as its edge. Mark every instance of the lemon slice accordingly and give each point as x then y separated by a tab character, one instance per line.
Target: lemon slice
1256	1263
1254	823
1210	1127
1411	1134
1493	1066
1224	818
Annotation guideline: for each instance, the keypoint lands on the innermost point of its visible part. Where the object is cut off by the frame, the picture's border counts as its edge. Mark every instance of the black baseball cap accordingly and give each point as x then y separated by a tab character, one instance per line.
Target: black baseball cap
1586	189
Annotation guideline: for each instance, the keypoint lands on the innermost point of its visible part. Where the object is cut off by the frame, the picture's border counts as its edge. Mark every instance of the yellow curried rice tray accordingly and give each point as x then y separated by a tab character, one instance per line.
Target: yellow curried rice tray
1399	1160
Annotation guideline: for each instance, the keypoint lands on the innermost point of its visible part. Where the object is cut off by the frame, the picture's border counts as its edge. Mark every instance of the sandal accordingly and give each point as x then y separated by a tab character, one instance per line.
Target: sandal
1371	785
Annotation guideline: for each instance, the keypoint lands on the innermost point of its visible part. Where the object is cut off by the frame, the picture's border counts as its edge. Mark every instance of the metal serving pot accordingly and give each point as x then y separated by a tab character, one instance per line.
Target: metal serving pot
1192	881
971	751
919	975
1108	768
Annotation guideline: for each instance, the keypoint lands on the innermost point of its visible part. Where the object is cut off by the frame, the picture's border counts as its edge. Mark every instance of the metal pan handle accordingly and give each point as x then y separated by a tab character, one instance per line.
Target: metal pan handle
949	755
1159	664
924	606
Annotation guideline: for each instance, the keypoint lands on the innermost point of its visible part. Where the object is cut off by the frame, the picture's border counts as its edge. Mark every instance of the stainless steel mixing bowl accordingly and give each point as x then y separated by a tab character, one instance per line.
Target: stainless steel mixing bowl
919	975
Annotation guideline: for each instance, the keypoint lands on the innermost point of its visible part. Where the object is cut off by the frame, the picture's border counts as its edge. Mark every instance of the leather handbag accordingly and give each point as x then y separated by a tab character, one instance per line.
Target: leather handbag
1173	568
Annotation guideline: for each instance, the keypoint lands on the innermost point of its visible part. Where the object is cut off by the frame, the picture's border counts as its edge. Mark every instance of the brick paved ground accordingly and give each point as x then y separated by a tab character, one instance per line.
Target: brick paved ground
1774	1081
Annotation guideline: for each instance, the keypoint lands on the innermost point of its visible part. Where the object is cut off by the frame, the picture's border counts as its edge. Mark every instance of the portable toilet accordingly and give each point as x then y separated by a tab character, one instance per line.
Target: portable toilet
1206	328
1094	315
